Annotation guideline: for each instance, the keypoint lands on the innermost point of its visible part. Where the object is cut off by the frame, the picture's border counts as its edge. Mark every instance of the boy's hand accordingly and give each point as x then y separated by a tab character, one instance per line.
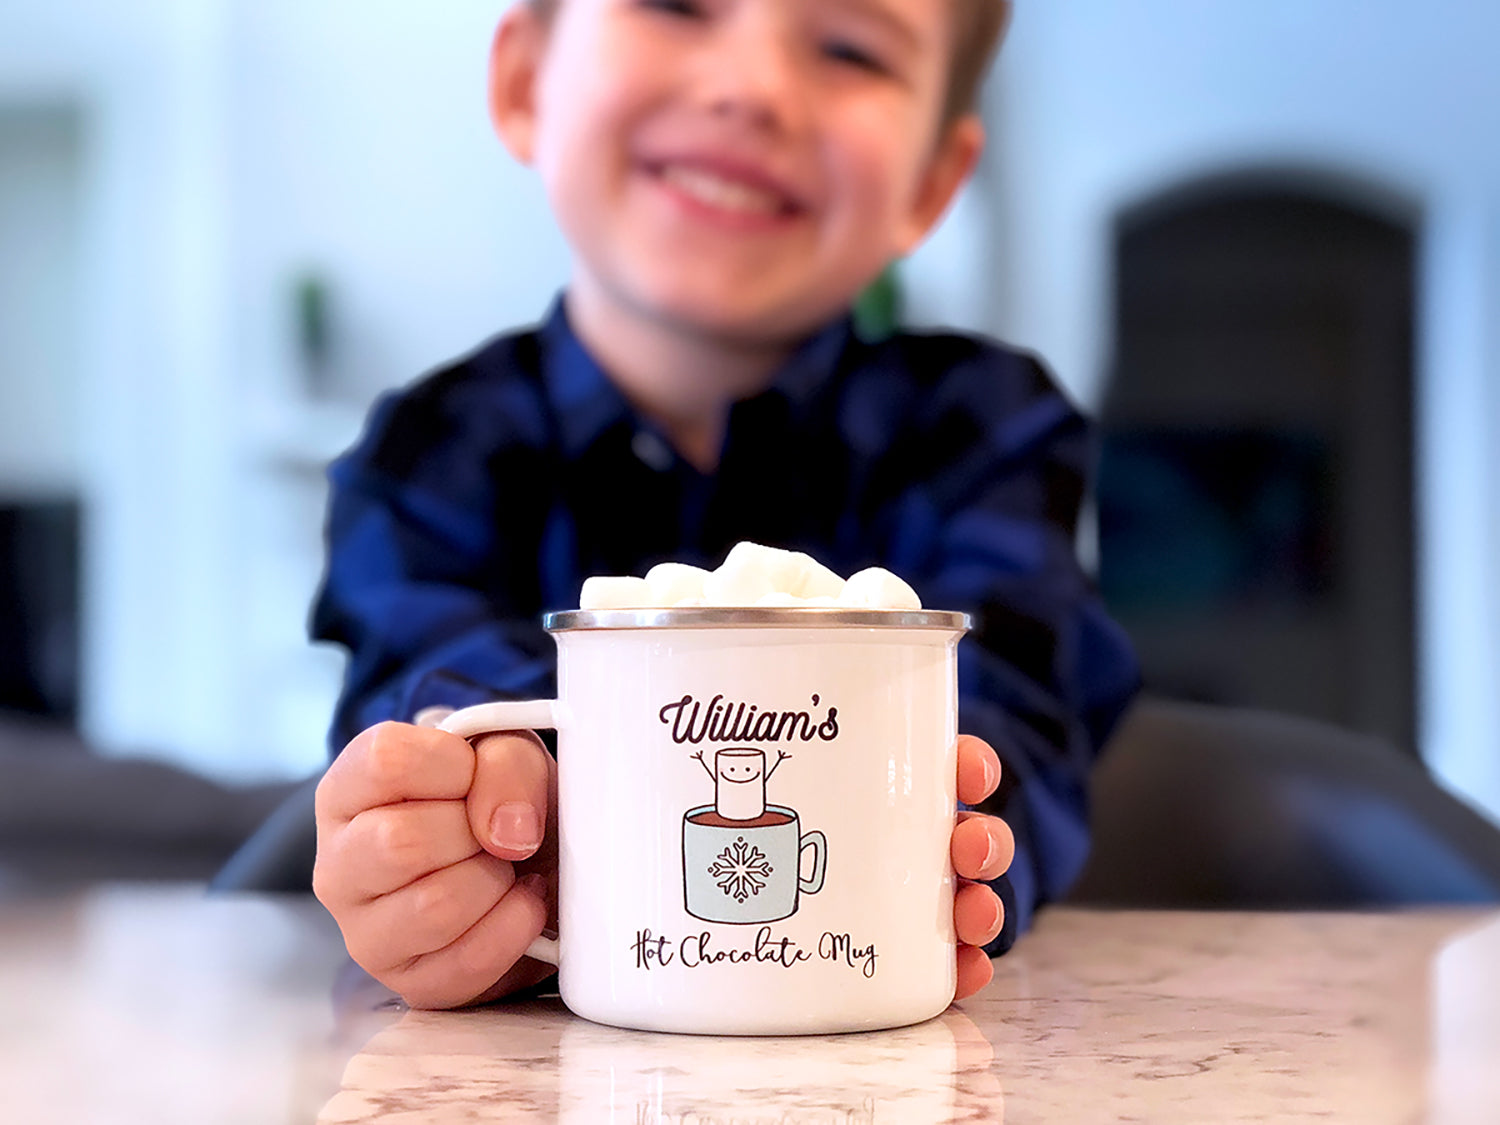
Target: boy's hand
982	849
438	859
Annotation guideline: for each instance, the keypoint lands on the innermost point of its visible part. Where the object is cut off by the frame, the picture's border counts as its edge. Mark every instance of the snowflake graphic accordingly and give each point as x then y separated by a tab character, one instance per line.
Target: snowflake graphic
741	870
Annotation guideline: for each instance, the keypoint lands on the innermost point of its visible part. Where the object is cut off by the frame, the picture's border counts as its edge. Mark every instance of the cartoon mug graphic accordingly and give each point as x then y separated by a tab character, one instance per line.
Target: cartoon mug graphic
742	857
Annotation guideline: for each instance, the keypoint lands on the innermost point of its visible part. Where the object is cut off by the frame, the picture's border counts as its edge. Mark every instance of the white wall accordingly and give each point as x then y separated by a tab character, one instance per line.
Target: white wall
149	410
362	153
228	144
362	149
40	178
1100	104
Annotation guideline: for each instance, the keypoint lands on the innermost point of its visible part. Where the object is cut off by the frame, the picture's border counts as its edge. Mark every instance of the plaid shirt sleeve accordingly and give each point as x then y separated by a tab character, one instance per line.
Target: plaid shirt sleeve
430	558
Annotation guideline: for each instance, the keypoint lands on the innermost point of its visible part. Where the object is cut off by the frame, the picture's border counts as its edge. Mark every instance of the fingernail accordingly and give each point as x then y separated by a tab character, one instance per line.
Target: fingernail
515	828
991	774
998	921
991	849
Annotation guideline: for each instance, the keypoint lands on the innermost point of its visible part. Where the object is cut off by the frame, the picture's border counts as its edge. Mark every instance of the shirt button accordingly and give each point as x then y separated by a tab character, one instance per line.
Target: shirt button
652	451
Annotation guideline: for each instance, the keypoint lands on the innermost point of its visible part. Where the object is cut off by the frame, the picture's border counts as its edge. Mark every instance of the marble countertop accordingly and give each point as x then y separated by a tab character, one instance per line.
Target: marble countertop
130	1005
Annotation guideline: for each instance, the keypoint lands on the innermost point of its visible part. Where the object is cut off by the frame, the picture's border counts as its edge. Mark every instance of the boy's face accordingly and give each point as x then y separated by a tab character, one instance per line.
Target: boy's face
736	167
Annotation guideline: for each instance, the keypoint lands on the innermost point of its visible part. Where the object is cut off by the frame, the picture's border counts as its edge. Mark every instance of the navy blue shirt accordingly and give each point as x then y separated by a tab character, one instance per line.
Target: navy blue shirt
482	496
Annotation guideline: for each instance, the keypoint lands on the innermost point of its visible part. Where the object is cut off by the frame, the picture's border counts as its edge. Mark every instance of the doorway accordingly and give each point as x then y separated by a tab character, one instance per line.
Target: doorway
40	454
1256	521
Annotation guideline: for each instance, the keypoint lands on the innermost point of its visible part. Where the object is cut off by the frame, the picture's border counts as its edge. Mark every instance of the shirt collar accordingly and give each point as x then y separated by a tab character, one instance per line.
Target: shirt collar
814	364
586	403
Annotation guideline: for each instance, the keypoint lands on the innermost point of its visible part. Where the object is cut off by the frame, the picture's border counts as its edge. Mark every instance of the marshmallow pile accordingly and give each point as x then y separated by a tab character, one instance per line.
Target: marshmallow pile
751	575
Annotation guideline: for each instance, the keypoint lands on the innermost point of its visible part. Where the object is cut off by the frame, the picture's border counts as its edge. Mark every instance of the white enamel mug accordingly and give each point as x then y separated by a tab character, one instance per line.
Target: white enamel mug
756	808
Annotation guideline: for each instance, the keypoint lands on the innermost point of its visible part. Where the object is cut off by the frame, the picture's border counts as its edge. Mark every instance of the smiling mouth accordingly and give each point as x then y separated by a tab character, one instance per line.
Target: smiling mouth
733	196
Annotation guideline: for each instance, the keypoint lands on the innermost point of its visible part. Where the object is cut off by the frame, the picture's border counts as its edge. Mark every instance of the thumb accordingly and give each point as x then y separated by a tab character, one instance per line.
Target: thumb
514	790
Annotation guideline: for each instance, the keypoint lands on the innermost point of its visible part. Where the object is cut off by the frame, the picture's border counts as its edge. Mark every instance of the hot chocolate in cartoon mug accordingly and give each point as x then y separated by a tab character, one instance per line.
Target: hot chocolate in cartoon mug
756	808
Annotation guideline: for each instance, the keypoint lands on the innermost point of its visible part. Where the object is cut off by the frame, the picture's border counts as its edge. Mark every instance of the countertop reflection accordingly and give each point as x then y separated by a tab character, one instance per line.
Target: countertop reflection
131	1004
540	1063
1097	1016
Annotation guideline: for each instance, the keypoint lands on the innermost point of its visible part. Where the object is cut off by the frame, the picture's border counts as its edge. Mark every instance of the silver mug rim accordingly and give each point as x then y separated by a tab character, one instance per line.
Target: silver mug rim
763	617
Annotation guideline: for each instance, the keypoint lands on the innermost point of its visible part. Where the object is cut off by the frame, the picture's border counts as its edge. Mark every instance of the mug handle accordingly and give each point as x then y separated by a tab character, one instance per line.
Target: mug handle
489	718
819	844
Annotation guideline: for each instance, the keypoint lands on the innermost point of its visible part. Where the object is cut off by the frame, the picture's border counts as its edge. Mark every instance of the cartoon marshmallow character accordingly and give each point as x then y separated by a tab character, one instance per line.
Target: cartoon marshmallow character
740	777
740	784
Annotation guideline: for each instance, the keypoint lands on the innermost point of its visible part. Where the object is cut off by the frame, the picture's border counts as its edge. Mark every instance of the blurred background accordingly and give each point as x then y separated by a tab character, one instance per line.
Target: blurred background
1261	242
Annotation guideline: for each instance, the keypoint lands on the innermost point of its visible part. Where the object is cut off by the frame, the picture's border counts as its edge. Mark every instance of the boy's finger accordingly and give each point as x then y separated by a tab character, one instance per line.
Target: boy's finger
978	769
489	951
982	846
978	914
394	762
430	914
514	783
974	971
385	848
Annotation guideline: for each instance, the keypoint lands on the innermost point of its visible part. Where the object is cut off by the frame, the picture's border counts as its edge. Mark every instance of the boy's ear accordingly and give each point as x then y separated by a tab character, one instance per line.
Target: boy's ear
515	61
951	164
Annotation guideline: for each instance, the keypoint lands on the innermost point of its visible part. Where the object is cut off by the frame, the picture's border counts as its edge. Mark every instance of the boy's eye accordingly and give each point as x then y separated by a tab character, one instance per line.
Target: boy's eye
844	51
689	8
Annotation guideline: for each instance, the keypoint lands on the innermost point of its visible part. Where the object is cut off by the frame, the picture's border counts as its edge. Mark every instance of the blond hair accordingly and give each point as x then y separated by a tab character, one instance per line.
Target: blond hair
978	26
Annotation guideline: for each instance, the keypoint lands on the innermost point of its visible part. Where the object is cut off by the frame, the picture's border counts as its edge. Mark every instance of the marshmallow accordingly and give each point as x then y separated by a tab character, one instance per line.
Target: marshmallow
606	592
878	588
790	572
781	567
673	584
745	576
814	580
736	587
751	575
777	598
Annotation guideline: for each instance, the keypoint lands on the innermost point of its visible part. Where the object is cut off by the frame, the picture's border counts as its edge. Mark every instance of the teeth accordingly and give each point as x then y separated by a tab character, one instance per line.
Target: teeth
726	195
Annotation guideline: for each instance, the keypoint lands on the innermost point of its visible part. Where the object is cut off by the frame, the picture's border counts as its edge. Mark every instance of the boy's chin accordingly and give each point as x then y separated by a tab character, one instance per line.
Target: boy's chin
722	310
747	326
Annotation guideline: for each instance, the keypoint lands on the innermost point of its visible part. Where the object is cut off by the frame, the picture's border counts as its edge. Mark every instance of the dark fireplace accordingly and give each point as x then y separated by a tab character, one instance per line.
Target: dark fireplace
39	577
1255	496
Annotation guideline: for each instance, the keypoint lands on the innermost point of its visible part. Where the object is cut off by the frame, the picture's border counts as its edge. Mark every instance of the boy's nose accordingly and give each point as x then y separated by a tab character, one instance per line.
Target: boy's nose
756	76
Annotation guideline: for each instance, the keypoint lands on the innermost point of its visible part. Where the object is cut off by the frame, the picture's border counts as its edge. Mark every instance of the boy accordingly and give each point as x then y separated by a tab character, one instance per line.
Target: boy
729	174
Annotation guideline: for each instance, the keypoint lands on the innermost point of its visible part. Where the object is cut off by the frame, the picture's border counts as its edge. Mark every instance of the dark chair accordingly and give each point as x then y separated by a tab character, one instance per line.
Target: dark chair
279	854
71	816
1198	806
